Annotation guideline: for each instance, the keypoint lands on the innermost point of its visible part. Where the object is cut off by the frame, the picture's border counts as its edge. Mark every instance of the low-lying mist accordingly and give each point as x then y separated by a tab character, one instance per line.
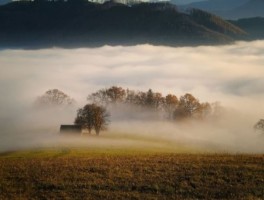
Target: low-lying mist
232	75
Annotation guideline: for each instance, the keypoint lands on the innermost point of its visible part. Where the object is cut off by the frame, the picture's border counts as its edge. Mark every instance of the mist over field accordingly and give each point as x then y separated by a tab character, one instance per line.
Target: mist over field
231	74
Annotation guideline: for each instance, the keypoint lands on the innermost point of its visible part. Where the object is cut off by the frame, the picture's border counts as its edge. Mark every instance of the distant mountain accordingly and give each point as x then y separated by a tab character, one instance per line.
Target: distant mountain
231	9
2	2
183	2
82	23
254	26
217	5
214	22
253	8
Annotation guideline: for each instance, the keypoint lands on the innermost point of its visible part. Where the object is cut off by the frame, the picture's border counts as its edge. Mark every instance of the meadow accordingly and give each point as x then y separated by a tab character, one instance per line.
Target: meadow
79	173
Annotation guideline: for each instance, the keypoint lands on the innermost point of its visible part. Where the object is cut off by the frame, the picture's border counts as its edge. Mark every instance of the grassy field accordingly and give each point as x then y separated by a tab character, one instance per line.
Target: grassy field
87	174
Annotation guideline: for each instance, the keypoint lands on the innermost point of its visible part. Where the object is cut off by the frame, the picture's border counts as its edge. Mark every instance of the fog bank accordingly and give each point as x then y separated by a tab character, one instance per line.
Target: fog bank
232	74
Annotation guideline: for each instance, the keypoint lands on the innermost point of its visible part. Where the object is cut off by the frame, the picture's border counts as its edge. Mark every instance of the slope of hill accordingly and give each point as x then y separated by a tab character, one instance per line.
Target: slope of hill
231	9
214	22
217	5
253	26
87	24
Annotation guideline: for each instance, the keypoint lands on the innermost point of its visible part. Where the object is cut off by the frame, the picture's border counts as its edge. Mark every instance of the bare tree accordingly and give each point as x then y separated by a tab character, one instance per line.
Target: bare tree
106	96
54	97
92	116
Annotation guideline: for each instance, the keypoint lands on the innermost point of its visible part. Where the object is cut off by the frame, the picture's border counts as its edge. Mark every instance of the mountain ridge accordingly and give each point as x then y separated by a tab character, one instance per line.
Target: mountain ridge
216	5
90	24
231	9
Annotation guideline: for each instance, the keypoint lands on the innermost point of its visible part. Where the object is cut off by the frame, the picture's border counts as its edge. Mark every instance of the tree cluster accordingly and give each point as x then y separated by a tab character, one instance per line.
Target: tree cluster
187	106
92	116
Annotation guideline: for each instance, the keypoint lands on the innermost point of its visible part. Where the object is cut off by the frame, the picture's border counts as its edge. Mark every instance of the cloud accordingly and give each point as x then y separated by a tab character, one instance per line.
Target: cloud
231	74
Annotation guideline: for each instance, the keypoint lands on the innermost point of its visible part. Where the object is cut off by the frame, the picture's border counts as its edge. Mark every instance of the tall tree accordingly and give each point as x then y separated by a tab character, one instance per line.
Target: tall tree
92	116
101	119
85	117
153	100
189	106
116	94
170	104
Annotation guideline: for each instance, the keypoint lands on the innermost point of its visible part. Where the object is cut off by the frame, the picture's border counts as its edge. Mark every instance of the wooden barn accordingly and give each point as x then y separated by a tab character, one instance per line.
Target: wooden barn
71	129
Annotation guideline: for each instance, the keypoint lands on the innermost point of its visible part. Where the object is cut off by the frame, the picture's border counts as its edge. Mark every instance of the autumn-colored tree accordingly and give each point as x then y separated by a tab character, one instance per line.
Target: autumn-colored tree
101	119
188	107
190	103
185	107
116	94
140	98
170	104
85	117
180	113
92	116
153	100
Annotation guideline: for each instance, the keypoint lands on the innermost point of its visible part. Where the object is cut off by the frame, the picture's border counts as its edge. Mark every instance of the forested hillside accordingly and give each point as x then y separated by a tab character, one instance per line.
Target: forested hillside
82	23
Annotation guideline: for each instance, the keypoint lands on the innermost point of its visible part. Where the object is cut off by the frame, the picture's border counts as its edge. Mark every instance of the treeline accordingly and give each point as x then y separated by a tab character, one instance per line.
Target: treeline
186	106
95	114
174	108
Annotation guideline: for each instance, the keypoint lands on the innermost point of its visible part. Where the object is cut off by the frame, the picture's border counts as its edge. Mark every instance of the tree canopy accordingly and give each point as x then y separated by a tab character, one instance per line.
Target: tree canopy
187	106
92	116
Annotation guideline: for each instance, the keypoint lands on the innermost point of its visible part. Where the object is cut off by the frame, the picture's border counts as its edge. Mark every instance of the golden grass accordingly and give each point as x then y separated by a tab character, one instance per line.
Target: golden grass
100	174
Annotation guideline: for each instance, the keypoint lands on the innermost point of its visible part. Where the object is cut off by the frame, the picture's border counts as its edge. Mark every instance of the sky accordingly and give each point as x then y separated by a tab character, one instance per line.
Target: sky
182	2
232	75
178	1
4	1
